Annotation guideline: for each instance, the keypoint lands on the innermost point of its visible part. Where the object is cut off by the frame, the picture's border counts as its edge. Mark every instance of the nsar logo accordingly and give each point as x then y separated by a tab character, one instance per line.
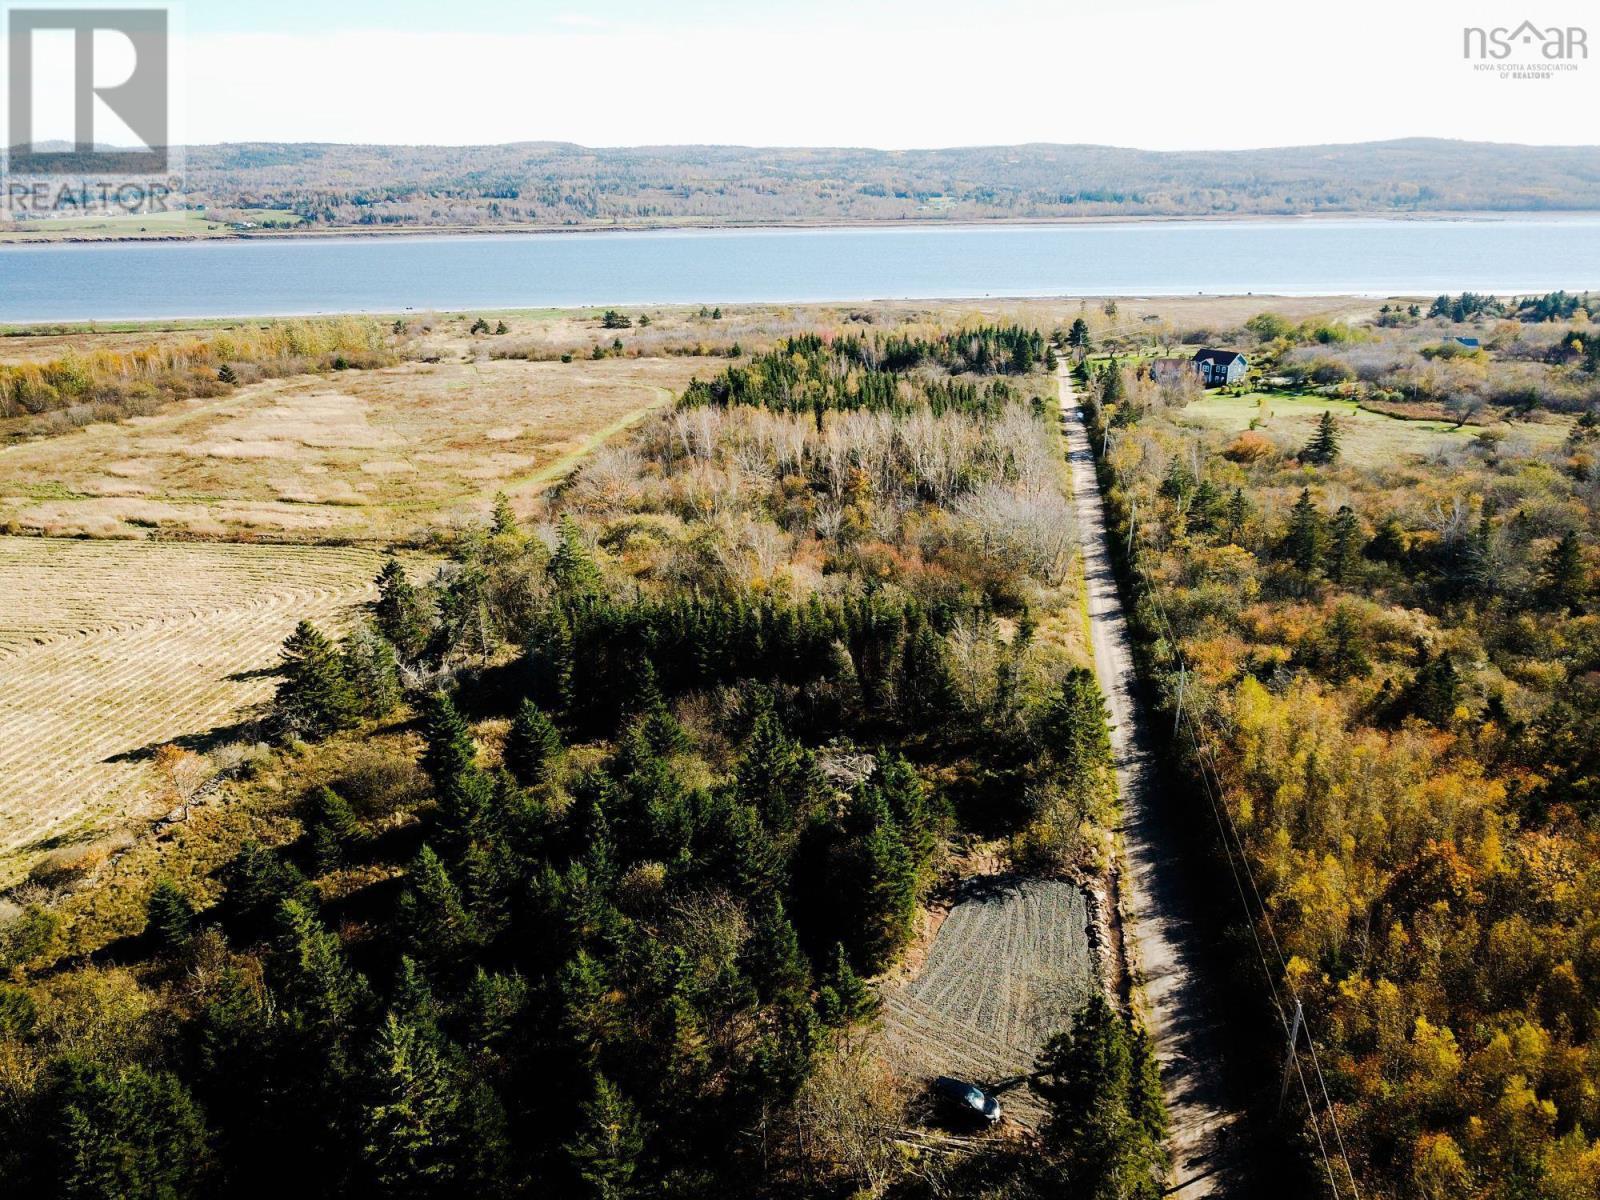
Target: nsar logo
1555	44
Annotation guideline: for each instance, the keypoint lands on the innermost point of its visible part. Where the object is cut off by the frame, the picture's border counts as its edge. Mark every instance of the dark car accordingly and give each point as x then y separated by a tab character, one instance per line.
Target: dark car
967	1099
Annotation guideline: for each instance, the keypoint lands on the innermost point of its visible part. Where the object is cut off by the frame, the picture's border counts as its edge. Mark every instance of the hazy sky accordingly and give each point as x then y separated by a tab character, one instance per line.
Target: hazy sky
1158	74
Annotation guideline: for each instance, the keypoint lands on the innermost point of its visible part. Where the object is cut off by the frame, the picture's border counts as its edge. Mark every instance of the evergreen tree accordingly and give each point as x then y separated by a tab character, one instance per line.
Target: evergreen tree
330	828
533	746
606	1150
1101	1129
1078	337
504	525
226	374
312	977
880	883
1564	584
908	802
772	956
314	698
433	916
1238	513
842	997
1343	652
409	1122
1113	390
400	613
1390	543
465	794
1323	448
1436	691
1306	538
169	917
924	687
258	882
775	774
1344	551
1074	734
373	671
131	1134
572	569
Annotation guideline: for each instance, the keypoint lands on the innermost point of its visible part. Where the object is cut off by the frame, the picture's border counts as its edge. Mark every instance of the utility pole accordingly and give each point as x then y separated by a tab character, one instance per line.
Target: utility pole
1177	710
1289	1058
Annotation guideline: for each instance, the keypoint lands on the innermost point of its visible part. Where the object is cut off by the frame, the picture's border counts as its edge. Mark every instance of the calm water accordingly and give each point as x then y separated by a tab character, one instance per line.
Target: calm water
226	278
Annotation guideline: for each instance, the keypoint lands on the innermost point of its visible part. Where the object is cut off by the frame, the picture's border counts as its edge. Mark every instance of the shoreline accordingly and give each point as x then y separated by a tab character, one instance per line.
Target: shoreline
25	238
23	328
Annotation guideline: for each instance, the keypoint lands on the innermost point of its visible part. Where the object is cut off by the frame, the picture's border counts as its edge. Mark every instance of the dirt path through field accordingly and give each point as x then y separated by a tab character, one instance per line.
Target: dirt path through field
1161	944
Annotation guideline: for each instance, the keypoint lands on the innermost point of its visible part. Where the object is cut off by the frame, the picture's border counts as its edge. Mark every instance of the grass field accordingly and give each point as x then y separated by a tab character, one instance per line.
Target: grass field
357	456
185	223
1367	437
110	649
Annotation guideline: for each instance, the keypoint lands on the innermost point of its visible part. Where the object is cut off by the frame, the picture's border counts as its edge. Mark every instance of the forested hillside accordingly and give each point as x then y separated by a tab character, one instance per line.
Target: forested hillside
561	185
1385	639
594	835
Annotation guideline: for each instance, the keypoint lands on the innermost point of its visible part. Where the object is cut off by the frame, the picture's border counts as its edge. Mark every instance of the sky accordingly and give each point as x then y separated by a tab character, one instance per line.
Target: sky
895	74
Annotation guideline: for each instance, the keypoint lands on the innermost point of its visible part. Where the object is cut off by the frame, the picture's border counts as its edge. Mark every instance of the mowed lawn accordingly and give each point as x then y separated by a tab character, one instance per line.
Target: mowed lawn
110	649
369	456
1366	436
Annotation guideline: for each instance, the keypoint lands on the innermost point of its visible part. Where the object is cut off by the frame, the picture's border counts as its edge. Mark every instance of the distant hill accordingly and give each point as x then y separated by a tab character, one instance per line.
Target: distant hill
558	184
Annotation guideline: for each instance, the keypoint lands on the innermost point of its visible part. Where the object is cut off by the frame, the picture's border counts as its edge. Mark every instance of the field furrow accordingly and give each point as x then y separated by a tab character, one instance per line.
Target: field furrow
110	649
1010	964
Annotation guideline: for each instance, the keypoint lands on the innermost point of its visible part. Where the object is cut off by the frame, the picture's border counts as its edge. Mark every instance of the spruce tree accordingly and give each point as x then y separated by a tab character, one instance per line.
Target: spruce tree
373	671
314	697
772	956
572	569
128	1134
1238	514
504	524
775	774
400	613
169	917
881	888
605	1151
1323	448
1344	551
1306	538
433	916
410	1116
257	883
1073	734
313	979
842	997
533	746
1564	584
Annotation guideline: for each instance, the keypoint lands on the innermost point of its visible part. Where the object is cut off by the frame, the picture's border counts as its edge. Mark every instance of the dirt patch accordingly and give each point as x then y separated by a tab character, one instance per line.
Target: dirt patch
1008	965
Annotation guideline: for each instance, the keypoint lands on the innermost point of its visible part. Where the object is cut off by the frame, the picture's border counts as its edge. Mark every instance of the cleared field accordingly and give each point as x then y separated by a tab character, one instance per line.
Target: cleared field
1009	965
1368	436
363	455
111	649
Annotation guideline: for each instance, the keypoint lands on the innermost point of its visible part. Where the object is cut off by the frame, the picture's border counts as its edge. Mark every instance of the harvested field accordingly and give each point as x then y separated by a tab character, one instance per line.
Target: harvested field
110	649
1008	966
359	455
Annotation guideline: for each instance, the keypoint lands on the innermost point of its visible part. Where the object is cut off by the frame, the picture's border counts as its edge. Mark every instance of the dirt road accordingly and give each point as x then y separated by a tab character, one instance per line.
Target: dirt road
1162	946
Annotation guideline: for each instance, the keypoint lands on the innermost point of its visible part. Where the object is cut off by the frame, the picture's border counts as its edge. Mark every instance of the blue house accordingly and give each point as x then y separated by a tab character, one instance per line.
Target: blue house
1219	367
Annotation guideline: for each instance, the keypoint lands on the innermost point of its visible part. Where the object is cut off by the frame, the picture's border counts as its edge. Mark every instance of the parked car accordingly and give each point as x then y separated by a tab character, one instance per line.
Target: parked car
967	1100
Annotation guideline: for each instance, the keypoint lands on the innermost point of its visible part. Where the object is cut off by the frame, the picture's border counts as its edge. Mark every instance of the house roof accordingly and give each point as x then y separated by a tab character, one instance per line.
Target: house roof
1223	357
1466	341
